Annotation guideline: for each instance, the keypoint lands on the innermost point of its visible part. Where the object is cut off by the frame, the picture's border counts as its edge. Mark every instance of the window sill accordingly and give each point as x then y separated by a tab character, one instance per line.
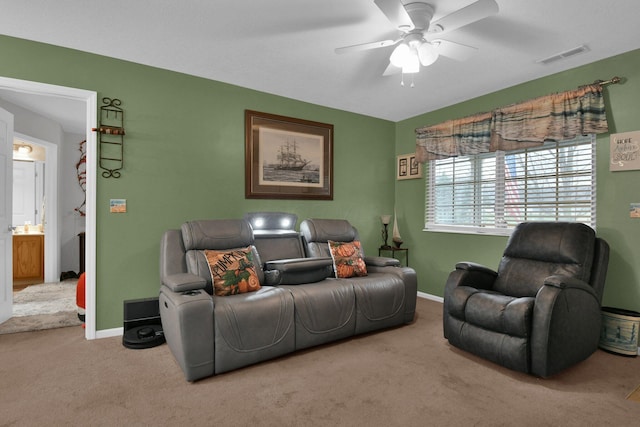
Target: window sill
468	230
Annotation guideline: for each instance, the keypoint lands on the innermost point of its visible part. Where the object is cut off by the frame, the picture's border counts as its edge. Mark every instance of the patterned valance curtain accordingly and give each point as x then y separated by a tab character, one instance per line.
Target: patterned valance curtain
555	117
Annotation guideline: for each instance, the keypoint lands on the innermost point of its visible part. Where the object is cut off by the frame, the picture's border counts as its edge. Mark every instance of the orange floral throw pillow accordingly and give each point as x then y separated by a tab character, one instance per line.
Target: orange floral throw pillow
347	259
232	272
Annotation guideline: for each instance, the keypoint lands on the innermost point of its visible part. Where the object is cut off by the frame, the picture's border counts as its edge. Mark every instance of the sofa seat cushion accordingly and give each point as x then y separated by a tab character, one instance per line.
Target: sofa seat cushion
380	301
325	311
252	327
493	311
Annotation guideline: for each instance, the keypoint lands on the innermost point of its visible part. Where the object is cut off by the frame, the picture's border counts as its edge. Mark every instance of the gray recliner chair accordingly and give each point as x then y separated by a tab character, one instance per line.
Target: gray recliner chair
539	313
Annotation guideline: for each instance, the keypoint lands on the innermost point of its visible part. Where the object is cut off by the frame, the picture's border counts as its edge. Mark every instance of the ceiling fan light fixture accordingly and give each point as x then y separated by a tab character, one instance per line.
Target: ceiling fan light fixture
22	148
400	55
414	19
427	54
412	63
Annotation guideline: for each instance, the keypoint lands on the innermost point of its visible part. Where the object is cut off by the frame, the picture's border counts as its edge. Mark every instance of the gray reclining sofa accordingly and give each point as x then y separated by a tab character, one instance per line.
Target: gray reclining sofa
300	302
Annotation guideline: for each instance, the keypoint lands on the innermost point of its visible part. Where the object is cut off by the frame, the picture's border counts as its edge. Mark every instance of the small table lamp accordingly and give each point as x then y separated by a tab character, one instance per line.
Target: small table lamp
386	219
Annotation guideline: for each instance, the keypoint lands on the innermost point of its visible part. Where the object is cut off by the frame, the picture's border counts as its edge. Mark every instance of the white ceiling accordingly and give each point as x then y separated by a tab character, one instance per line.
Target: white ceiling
286	47
68	113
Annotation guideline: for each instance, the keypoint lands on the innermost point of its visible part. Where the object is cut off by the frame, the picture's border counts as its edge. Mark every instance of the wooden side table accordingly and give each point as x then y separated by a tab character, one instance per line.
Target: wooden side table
393	251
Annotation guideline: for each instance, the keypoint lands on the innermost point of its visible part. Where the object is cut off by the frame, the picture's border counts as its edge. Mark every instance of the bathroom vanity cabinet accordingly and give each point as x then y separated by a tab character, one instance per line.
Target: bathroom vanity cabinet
28	259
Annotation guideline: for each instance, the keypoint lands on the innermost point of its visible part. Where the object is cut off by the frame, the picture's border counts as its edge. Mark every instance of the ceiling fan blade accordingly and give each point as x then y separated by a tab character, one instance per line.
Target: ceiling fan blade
396	13
366	46
465	16
391	70
457	51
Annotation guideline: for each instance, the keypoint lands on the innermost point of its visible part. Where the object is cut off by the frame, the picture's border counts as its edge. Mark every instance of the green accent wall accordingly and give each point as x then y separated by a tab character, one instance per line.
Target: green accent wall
435	254
184	160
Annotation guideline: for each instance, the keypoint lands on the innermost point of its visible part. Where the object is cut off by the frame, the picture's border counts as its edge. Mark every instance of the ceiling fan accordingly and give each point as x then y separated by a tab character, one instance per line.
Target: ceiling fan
419	41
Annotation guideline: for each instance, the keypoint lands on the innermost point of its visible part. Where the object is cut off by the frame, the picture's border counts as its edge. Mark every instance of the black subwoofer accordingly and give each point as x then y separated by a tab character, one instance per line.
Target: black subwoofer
142	325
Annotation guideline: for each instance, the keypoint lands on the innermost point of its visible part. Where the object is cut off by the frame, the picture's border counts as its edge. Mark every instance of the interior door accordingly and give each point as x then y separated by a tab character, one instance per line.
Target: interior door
6	213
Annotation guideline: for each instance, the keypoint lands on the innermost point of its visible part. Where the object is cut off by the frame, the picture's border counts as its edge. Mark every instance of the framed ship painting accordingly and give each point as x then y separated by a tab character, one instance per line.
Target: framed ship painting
287	158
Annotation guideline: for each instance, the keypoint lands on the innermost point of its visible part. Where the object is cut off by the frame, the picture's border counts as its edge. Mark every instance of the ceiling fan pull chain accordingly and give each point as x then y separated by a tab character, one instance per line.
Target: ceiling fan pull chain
402	80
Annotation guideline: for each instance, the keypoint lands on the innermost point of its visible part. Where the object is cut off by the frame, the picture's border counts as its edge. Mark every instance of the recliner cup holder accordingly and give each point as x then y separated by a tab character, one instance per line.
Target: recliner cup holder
191	293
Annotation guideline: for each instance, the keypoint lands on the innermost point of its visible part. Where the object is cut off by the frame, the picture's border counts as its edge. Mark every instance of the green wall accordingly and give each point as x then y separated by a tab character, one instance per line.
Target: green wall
184	160
435	254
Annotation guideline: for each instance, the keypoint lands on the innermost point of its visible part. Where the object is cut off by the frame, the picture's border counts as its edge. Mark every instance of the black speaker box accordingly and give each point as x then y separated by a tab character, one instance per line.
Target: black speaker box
142	325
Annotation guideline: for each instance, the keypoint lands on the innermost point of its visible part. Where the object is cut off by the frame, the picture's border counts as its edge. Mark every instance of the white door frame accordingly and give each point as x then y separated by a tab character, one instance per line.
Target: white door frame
90	99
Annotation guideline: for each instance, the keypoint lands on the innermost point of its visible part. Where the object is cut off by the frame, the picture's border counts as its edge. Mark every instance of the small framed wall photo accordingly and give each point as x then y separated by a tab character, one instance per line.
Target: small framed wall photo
625	151
407	167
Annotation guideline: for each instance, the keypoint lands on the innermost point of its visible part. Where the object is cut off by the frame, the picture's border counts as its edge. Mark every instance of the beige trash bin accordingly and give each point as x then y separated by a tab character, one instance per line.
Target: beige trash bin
619	333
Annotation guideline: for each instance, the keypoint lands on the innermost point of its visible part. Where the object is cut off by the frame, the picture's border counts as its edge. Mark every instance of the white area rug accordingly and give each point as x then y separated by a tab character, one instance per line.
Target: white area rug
44	306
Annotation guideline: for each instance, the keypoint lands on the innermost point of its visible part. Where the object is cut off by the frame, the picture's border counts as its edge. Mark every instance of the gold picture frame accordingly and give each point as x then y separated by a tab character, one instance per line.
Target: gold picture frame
407	167
287	158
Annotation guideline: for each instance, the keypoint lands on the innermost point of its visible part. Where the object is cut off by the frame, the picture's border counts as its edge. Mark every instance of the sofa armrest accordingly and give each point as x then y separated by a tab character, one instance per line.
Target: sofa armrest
566	325
465	274
470	274
566	282
472	266
183	282
188	325
381	261
297	271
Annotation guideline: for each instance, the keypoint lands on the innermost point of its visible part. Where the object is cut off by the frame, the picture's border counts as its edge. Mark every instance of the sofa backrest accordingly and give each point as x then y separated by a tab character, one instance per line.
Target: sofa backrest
537	250
275	236
216	234
317	232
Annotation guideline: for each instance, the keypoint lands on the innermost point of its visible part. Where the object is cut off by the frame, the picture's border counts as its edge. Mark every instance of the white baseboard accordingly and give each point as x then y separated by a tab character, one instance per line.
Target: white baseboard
108	333
430	297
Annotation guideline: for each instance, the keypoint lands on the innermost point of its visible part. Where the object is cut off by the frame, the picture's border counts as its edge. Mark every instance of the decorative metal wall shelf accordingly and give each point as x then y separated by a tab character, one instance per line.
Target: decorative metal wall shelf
111	137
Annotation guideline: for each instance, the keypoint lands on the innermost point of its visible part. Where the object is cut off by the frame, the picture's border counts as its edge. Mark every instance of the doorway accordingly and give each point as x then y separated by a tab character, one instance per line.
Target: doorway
29	161
88	99
50	188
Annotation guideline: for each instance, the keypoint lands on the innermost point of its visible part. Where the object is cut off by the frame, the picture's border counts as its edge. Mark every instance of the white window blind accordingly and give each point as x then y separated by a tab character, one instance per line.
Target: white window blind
493	192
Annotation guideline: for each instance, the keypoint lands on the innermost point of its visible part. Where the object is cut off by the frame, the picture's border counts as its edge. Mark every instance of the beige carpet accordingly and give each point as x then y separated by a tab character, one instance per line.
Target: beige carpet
407	376
43	306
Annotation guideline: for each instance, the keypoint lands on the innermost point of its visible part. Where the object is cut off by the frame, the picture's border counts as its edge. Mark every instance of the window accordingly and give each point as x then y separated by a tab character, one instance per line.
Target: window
492	192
